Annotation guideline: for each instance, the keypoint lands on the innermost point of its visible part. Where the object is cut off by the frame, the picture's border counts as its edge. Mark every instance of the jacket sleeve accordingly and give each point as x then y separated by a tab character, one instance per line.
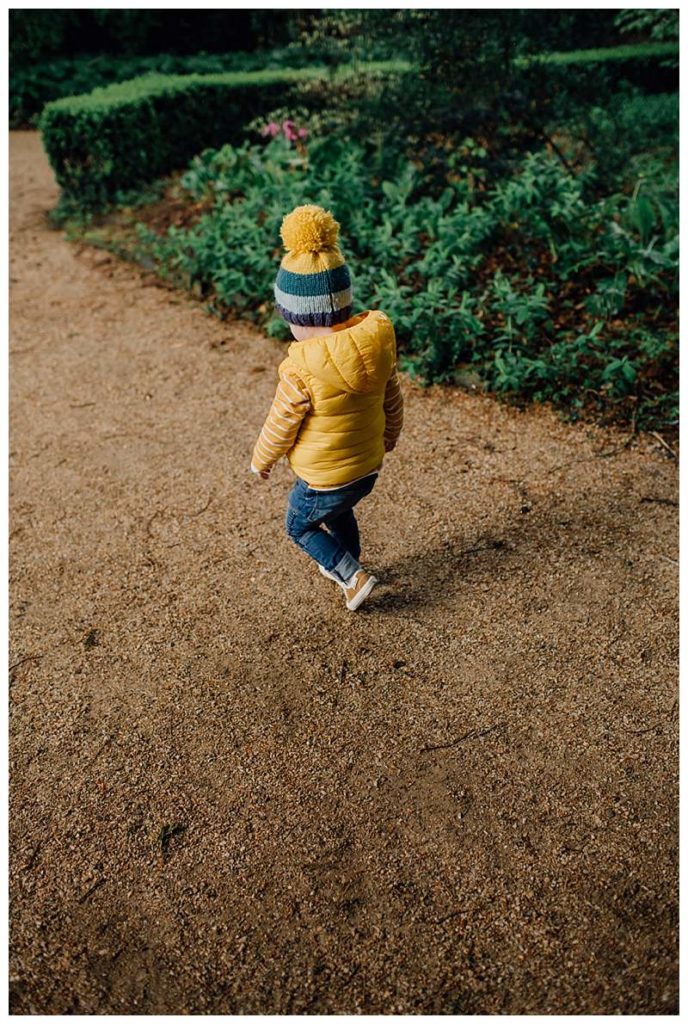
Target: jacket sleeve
394	411
289	406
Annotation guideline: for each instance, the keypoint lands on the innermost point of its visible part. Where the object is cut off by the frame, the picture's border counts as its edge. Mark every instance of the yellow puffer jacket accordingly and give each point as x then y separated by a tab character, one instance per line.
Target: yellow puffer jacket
346	372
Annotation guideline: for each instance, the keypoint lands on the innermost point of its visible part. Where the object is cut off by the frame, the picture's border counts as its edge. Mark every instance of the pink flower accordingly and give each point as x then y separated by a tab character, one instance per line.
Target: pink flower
303	133
271	129
288	129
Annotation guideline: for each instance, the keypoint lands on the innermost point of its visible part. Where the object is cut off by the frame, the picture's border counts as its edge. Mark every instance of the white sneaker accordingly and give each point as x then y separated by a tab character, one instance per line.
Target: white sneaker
358	588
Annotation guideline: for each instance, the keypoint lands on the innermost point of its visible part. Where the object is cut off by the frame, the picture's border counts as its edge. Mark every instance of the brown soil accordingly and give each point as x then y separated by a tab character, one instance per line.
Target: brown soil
173	209
231	795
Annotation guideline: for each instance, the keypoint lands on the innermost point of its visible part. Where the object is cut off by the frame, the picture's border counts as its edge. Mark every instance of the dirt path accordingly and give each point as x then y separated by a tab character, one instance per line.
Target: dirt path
231	795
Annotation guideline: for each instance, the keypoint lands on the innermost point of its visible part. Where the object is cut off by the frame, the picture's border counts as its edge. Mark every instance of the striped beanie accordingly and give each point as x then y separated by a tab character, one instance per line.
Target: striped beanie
313	287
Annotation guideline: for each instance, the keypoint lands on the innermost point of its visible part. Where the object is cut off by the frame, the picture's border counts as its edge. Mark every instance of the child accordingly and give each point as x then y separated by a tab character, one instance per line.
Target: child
338	407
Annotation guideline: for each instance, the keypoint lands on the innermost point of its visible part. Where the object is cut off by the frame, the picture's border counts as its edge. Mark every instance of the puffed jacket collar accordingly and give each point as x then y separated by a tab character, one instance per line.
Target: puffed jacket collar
357	358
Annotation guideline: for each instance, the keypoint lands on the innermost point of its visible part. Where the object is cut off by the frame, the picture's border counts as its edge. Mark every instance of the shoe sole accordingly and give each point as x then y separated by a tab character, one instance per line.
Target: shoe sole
360	597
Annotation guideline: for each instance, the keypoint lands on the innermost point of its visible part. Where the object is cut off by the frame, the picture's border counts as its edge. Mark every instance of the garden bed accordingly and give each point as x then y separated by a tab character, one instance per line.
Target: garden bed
545	285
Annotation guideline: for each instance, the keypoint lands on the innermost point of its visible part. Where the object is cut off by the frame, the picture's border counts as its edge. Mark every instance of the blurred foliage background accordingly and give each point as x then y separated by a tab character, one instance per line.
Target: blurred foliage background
510	198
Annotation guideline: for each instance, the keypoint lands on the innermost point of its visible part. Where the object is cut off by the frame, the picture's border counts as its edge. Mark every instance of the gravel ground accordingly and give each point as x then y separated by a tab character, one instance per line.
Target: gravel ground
231	795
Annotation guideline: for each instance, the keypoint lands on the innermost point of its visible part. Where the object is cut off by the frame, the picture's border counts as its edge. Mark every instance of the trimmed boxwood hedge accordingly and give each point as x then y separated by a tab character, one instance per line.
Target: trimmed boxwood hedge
626	53
32	86
124	135
653	67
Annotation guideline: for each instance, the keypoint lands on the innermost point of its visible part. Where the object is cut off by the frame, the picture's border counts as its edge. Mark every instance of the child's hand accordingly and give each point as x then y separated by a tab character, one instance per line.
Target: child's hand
264	474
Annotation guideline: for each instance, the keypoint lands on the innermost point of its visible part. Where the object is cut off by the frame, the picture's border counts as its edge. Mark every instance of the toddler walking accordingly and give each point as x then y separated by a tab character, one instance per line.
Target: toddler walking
338	406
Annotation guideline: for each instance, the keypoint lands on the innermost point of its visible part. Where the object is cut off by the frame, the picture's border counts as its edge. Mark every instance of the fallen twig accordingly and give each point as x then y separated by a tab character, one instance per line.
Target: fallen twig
447	917
166	833
664	443
670	714
471	735
32	859
29	657
660	501
192	515
89	892
149	523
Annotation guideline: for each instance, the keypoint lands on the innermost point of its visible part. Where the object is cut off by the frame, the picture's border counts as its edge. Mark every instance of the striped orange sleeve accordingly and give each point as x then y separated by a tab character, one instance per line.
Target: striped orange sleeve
289	406
394	411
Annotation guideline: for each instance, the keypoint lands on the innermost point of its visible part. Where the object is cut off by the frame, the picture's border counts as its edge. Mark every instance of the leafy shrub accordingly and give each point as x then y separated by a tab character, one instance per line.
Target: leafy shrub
495	74
660	25
541	290
129	133
611	138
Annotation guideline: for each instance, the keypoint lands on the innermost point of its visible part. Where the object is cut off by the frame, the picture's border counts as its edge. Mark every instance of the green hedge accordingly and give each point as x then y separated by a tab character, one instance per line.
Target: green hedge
32	86
653	67
122	136
626	53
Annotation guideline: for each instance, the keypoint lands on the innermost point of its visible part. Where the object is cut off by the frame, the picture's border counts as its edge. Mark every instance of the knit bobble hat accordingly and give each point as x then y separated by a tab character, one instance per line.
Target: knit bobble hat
313	286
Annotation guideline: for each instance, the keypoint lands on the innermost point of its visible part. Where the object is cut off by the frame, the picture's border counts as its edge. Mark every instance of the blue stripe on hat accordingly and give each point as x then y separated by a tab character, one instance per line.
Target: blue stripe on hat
322	283
315	319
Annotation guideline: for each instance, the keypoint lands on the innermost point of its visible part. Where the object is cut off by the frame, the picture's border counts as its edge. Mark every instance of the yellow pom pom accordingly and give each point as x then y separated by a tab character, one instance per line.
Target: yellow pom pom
309	229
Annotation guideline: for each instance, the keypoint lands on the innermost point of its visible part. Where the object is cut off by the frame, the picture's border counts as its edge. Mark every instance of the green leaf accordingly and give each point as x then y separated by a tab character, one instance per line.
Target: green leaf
643	217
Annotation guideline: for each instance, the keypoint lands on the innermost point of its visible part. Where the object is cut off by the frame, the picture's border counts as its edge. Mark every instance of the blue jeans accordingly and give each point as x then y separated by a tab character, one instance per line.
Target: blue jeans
337	548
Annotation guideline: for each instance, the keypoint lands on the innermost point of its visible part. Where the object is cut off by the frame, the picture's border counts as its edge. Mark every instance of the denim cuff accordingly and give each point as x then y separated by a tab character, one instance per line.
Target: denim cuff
346	567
